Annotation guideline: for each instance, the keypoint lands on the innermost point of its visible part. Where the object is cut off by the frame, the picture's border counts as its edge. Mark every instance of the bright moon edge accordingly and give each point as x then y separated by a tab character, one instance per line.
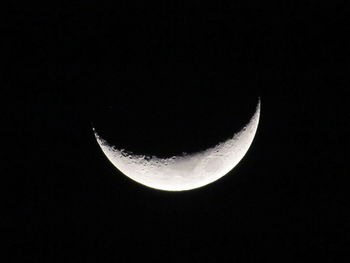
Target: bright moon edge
185	172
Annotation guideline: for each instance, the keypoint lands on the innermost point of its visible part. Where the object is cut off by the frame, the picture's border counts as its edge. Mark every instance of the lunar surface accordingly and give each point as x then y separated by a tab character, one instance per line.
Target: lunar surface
187	171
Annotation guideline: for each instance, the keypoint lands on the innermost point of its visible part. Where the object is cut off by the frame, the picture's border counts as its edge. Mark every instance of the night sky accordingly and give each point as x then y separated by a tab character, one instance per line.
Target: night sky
162	78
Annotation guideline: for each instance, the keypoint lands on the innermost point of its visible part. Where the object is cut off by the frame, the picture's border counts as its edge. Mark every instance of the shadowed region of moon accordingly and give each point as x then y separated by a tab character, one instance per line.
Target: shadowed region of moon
170	123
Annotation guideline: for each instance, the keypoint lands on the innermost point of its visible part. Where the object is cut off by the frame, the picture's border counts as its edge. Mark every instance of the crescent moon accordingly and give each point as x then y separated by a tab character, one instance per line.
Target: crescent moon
186	172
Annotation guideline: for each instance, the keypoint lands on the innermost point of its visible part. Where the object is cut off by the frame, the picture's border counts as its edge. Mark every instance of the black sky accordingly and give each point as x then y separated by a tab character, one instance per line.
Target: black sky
165	78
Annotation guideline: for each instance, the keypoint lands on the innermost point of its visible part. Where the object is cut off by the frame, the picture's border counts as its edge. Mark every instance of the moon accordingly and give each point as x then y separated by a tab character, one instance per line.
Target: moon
188	171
